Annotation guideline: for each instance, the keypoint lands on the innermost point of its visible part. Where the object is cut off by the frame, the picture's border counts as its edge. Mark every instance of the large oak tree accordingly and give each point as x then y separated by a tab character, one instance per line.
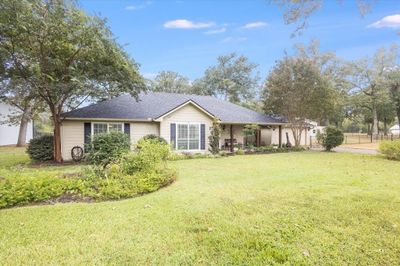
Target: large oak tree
63	55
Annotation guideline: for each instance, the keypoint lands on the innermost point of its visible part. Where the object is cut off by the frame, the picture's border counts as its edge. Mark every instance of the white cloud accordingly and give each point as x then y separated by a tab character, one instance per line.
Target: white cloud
217	31
187	24
234	39
253	25
387	22
137	7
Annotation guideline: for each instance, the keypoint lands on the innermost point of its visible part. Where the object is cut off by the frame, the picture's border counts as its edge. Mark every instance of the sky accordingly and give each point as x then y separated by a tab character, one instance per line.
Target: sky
187	36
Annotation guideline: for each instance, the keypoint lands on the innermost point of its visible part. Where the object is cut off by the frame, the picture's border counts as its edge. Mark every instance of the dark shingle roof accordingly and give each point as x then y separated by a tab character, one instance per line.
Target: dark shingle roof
152	105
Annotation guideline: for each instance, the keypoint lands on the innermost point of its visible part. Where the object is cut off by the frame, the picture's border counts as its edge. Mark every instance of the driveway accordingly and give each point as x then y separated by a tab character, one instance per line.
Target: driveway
355	150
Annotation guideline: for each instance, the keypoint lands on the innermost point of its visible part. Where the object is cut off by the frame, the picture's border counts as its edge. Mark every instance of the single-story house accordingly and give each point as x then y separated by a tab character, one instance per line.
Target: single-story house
183	120
9	133
395	130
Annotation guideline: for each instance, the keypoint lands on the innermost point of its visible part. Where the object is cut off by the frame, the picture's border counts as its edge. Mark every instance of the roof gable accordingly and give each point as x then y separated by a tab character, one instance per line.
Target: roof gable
183	105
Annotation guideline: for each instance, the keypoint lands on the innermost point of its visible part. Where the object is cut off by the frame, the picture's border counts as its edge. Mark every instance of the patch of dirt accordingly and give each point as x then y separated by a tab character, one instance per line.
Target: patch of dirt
47	164
66	198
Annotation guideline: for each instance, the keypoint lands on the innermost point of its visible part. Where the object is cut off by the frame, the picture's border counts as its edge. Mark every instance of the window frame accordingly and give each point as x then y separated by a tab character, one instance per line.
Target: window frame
188	135
108	126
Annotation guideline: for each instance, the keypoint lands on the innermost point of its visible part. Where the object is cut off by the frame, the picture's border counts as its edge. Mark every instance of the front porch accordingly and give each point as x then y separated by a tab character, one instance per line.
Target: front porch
233	137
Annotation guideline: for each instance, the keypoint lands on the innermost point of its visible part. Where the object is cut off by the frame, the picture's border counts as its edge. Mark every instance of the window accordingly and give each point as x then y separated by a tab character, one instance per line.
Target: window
99	128
188	137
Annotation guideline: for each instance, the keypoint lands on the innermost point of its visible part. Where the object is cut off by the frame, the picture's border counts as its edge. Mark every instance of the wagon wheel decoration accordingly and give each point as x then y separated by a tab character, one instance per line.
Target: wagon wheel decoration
77	153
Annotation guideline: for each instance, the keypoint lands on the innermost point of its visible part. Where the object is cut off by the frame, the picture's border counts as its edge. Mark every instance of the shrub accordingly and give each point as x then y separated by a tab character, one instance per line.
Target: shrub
213	139
41	149
154	137
240	152
21	190
330	138
108	147
391	149
150	154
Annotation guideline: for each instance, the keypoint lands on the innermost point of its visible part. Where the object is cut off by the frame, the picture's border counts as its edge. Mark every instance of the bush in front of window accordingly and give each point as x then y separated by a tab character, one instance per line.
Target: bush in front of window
41	149
154	137
108	147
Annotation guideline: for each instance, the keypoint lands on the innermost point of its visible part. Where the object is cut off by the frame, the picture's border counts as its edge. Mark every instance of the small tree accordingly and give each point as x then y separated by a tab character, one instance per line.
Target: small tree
250	130
215	135
330	138
296	89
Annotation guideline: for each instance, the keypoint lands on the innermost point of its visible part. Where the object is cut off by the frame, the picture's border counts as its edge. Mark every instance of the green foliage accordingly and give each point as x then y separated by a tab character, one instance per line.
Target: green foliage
133	173
77	58
155	137
184	156
330	138
250	130
233	78
240	152
41	149
391	149
169	81
215	135
125	175
23	190
297	90
108	147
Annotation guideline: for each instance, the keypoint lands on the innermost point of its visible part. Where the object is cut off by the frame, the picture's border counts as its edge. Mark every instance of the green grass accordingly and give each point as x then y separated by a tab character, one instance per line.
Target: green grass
295	208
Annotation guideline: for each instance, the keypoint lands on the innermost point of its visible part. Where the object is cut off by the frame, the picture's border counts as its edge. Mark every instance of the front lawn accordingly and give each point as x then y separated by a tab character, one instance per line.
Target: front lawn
292	208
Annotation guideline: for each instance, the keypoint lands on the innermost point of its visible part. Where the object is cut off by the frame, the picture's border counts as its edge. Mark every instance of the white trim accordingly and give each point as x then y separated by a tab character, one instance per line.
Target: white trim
188	138
158	119
108	126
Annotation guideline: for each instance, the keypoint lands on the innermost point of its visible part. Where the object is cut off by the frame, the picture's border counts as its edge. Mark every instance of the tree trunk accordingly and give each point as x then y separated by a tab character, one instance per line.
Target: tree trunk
385	126
374	121
23	127
296	136
57	142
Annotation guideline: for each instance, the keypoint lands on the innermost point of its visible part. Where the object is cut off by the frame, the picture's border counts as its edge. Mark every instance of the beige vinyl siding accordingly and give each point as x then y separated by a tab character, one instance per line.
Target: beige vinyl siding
305	136
139	130
187	114
71	135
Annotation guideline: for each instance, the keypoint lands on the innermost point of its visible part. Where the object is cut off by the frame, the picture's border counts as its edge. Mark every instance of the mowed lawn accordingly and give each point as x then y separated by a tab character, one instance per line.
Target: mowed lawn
296	208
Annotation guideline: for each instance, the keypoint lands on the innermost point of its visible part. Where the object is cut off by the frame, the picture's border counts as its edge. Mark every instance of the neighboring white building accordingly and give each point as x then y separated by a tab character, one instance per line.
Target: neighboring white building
9	134
395	130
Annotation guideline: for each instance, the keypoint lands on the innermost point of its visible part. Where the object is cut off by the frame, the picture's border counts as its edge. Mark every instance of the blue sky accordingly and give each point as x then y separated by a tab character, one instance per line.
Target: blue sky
186	36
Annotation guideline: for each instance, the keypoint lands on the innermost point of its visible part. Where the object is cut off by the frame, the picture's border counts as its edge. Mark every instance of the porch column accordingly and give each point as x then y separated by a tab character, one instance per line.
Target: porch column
231	131
258	137
280	136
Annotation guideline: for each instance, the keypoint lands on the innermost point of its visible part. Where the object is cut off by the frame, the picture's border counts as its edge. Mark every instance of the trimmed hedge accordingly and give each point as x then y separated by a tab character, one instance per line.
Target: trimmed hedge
391	149
41	149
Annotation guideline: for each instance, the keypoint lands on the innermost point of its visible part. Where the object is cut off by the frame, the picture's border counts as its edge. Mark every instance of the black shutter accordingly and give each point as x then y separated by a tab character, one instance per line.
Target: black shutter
173	135
127	129
202	136
87	132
